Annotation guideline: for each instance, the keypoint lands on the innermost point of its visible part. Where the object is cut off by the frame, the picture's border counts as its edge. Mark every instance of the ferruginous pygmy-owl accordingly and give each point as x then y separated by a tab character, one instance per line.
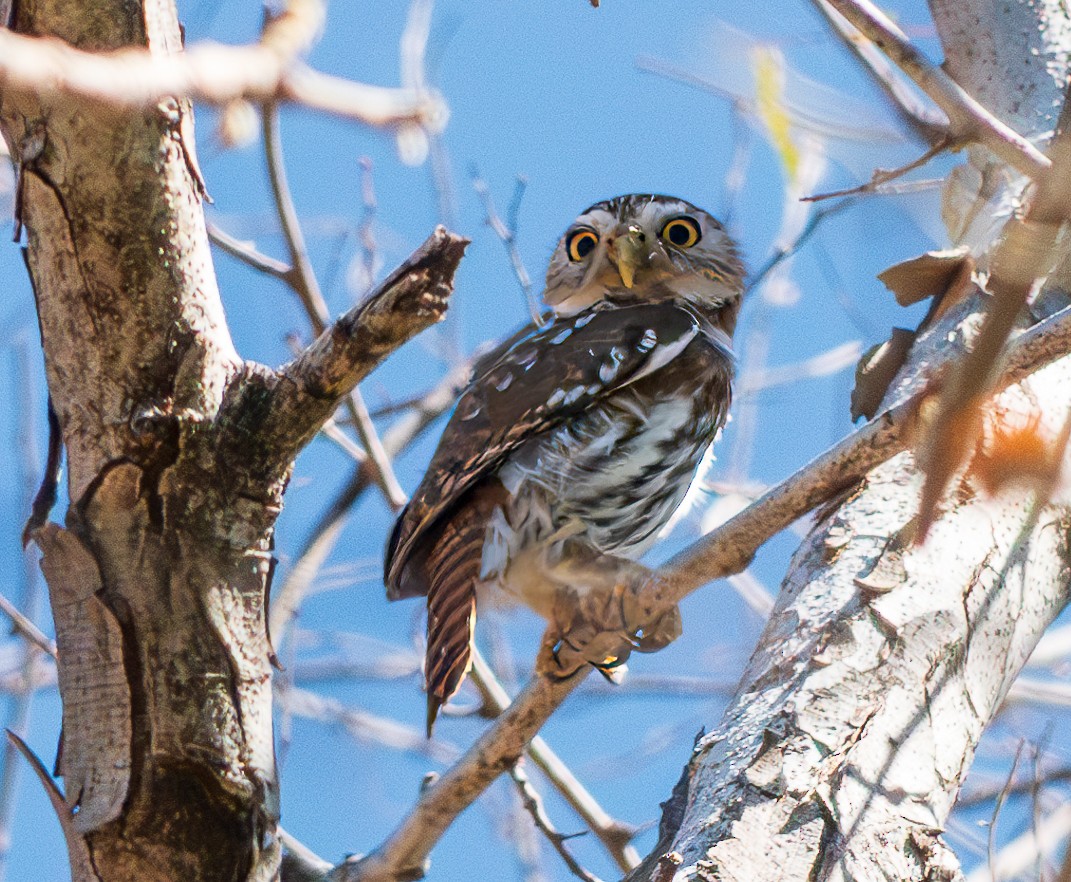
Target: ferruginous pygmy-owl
575	443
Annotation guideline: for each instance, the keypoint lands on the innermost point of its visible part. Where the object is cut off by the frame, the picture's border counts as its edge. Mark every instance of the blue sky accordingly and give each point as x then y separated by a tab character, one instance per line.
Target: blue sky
553	92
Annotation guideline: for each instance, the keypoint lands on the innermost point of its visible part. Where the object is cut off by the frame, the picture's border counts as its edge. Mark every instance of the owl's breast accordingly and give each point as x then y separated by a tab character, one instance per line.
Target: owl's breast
617	472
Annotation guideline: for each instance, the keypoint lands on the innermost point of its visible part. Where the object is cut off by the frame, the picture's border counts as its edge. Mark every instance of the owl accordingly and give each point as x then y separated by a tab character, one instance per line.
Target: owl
574	443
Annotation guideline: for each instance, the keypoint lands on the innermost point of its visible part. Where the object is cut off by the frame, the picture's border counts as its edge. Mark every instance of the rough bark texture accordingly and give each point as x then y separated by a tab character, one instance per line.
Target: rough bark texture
177	466
158	582
843	751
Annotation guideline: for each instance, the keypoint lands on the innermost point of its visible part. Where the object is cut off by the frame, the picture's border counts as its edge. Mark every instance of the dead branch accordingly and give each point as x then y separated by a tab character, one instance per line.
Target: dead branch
883	176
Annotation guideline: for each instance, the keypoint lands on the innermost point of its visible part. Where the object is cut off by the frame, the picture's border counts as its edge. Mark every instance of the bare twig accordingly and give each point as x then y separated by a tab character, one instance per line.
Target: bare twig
27	628
824	364
968	120
308	289
613	834
264	71
533	804
366	726
247	253
883	176
991	839
725	550
1019	855
507	232
366	233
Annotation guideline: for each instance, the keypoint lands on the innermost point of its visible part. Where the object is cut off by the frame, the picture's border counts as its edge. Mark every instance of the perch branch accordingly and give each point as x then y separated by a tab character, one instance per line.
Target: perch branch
726	550
968	120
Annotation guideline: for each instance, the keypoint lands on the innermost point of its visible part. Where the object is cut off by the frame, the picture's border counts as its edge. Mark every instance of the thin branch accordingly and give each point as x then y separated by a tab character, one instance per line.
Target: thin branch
533	804
613	834
998	804
409	300
725	550
883	176
308	289
365	726
968	120
508	234
1019	855
27	628
268	70
928	124
247	253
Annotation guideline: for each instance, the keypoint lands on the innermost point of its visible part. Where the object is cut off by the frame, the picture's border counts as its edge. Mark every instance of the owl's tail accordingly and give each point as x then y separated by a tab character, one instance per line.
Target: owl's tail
453	568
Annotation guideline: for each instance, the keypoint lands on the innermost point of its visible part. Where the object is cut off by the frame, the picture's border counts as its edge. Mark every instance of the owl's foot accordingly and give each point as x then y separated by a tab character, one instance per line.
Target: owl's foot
603	625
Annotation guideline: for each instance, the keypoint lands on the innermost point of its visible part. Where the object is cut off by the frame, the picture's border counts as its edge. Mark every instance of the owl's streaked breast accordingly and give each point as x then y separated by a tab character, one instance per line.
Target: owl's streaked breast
615	474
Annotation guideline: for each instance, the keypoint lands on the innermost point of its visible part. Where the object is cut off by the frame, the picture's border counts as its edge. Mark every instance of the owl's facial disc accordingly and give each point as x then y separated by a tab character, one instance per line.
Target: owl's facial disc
642	247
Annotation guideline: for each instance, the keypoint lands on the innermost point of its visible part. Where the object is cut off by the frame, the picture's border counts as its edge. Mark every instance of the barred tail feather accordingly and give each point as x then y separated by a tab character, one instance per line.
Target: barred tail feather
453	567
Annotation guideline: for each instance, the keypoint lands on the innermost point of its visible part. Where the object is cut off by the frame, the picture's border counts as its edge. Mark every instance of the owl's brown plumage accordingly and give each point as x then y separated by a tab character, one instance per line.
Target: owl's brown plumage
573	445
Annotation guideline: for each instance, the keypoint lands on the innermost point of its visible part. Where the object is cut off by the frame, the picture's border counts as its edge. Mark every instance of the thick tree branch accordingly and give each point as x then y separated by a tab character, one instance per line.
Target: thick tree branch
410	299
136	79
968	120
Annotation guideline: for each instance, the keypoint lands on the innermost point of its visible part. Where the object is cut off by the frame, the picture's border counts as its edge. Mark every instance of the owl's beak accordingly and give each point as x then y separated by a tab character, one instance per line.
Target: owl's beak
628	251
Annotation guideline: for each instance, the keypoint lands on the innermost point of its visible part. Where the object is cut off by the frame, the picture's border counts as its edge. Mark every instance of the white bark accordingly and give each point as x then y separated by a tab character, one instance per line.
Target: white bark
842	753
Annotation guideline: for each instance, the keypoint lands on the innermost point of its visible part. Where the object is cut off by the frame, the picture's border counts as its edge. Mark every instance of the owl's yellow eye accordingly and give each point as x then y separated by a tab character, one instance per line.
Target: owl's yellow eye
581	243
683	232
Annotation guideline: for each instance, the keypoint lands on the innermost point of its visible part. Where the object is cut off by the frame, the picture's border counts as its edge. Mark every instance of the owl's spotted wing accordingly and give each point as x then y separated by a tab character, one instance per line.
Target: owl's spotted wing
529	386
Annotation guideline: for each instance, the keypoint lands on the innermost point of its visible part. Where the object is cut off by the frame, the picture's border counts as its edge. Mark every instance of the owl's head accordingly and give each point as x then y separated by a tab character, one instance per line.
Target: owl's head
644	247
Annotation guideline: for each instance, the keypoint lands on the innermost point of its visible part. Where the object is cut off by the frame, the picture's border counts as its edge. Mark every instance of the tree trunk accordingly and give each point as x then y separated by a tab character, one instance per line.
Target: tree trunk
158	583
843	750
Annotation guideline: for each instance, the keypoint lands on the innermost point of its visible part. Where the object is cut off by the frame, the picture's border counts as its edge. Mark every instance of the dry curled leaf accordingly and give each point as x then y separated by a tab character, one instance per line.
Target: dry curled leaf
876	370
928	275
